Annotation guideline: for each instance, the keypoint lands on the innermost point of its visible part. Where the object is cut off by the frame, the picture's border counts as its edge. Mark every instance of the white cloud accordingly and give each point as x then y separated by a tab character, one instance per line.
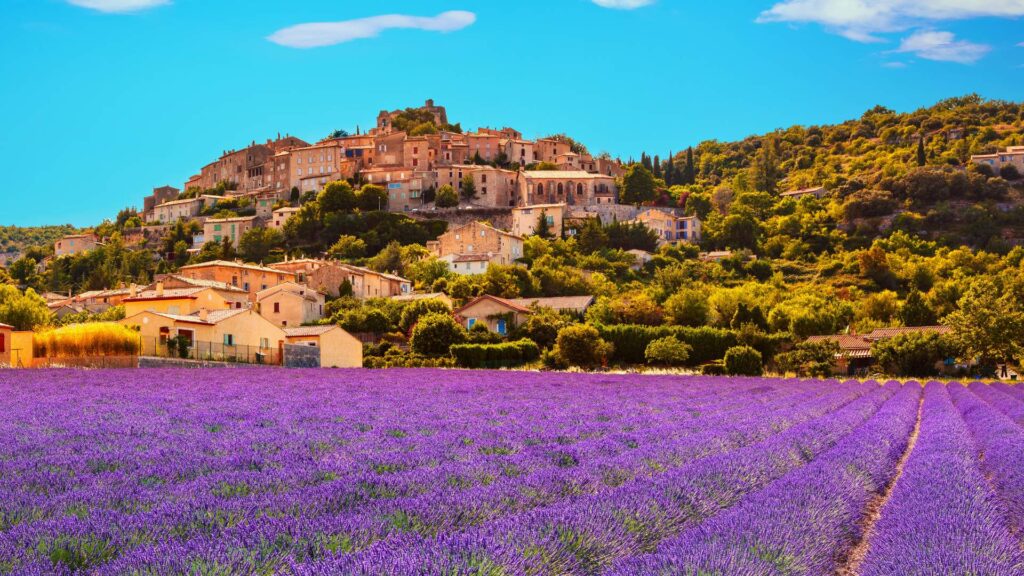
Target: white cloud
623	4
119	6
894	65
317	34
862	19
943	46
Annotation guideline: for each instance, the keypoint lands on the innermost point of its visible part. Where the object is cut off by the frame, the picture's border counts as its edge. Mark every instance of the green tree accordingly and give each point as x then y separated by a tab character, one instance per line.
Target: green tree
416	309
764	170
688	307
468	188
446	197
989	324
347	248
922	157
739	231
542	327
916	312
667	351
743	361
912	354
372	197
638	185
336	196
591	237
257	243
23	310
581	345
543	228
689	171
435	333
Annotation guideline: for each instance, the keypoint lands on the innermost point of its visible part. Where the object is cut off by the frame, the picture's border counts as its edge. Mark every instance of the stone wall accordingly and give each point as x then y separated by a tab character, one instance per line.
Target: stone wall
299	356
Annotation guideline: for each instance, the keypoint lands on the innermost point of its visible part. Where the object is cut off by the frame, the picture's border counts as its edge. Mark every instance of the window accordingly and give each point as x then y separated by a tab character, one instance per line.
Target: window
3	343
277	307
470	323
229	339
216	227
264	343
246	286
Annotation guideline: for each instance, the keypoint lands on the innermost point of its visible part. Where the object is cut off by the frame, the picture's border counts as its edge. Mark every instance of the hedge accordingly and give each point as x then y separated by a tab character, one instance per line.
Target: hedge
631	341
503	355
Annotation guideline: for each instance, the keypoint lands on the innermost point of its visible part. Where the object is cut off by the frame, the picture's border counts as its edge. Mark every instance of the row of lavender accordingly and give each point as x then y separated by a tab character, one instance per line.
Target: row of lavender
425	472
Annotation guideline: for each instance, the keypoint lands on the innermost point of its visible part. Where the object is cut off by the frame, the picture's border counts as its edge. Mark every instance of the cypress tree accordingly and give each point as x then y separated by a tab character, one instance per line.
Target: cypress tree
689	172
922	158
656	167
670	171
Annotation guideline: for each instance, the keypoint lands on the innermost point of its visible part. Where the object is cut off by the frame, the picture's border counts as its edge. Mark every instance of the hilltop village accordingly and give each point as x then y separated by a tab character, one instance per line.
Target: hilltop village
810	250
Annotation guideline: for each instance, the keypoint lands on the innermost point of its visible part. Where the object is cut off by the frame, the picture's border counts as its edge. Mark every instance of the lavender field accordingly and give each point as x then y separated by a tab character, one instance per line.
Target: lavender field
503	473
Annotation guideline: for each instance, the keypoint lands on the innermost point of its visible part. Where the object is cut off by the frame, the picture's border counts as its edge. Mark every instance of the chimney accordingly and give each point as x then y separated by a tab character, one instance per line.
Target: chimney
160	289
204	314
133	290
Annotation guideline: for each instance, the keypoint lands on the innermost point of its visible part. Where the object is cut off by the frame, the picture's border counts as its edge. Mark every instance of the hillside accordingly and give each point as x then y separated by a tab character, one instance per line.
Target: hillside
900	228
887	171
15	239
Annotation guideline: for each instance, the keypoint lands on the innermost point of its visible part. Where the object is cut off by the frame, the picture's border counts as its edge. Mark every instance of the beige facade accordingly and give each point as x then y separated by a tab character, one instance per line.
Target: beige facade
75	244
525	219
182	300
290	304
487	146
575	188
670	226
218	334
327	276
477	238
186	209
494	187
519	151
549	150
248	169
279	217
1012	156
249	277
314	166
404	186
217	229
338	348
498	314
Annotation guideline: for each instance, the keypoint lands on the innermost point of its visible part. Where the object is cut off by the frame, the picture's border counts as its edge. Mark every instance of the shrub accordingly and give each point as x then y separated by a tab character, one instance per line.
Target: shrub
631	340
810	358
94	339
581	345
505	354
668	351
435	333
743	361
713	369
412	312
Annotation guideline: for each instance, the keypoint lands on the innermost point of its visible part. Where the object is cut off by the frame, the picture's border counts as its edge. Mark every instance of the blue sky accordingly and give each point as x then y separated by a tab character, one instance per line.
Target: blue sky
105	99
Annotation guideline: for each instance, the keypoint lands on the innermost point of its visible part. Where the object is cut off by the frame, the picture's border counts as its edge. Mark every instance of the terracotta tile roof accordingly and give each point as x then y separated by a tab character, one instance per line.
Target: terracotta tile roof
564	174
213	317
168	294
884	333
575	303
418	296
2	325
310	330
804	191
239	265
204	283
502	301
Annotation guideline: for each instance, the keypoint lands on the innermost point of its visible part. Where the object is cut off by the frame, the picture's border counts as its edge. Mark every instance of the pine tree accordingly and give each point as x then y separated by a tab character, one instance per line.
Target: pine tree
922	158
543	229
